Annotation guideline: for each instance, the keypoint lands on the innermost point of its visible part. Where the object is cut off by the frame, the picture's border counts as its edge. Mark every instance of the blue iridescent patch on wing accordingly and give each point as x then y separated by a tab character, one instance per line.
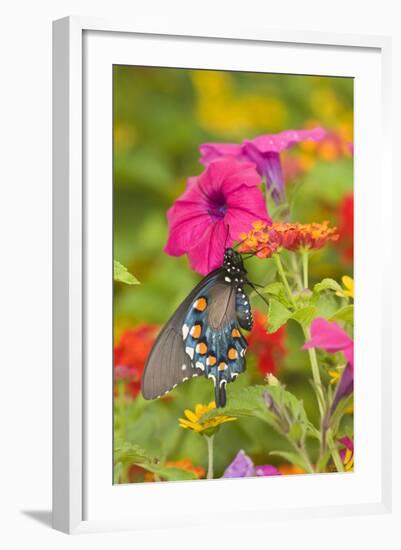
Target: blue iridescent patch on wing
217	352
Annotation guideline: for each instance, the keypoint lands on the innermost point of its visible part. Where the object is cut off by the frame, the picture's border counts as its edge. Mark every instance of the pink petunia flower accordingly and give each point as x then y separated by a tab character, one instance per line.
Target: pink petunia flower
332	338
215	208
264	151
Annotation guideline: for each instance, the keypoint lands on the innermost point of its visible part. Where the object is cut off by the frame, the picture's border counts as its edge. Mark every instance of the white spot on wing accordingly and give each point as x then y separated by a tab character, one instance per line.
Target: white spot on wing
227	279
213	378
185	330
199	365
189	351
184	367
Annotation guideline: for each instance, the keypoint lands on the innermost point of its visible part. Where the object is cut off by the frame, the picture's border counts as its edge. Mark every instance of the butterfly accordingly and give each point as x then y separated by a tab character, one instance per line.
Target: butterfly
203	337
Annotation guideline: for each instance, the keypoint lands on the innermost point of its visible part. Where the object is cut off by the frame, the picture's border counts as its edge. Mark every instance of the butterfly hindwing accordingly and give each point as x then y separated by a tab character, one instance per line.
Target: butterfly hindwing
204	334
212	337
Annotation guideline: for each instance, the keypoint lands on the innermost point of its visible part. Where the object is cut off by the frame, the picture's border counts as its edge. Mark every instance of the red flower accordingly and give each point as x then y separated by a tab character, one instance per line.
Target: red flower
346	227
130	355
268	348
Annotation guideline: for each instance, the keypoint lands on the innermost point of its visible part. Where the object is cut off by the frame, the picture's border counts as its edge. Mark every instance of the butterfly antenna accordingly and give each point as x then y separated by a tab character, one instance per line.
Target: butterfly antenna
258	293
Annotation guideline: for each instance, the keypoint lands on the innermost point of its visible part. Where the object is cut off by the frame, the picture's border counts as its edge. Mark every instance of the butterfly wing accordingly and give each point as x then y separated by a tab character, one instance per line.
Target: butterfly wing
212	336
168	363
202	337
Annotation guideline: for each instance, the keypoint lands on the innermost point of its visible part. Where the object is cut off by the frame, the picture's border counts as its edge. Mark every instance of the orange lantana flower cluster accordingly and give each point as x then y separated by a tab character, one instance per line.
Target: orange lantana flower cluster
264	240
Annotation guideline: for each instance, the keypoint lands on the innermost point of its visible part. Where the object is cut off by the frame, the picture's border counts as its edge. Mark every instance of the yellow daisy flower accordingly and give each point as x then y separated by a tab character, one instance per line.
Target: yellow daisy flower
348	291
335	376
192	420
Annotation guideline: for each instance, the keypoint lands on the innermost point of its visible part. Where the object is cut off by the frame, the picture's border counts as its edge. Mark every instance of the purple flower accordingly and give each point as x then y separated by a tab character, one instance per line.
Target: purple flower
264	151
215	208
242	466
345	386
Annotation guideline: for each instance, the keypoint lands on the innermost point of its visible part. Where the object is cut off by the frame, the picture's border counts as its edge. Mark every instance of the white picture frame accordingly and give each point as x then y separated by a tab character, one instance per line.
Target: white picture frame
80	44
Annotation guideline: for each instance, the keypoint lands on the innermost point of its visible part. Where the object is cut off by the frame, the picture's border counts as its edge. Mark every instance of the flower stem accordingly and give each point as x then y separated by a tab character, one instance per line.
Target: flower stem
121	414
209	441
312	353
305	265
334	452
284	280
315	374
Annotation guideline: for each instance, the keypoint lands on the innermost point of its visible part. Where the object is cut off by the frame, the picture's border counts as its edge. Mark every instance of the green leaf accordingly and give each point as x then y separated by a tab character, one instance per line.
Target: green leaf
169	474
130	454
344	314
305	316
327	284
275	288
285	411
278	315
292	458
122	275
326	304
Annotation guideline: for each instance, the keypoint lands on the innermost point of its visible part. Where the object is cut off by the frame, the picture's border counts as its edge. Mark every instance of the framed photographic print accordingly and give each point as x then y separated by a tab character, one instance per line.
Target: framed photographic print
218	313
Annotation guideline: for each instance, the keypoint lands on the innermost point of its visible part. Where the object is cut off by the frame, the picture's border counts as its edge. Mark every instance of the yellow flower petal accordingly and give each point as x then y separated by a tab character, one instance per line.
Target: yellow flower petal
191	415
348	283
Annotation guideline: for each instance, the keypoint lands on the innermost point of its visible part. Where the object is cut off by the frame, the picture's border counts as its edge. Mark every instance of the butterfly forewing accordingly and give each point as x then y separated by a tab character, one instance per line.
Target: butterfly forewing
164	367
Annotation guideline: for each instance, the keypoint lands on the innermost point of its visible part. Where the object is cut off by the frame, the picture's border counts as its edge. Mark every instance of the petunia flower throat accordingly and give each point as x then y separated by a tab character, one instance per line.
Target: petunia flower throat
214	210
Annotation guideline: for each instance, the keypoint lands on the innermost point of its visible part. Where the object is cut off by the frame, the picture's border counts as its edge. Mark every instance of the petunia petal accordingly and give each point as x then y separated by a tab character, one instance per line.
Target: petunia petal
329	336
207	252
213	151
283	140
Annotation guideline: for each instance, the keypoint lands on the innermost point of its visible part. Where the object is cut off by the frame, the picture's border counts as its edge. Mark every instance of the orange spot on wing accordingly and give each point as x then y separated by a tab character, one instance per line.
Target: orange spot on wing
201	348
196	331
200	304
232	354
222	366
211	360
235	333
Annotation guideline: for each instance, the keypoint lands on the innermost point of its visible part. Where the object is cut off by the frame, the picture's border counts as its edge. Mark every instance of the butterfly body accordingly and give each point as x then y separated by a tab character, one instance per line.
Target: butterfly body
203	337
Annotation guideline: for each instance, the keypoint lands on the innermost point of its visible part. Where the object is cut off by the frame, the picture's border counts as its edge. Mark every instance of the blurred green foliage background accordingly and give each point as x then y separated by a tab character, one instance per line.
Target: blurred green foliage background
161	116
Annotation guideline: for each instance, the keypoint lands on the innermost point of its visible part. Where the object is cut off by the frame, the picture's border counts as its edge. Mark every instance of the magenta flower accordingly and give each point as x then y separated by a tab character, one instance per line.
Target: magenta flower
264	151
242	466
347	453
215	208
332	338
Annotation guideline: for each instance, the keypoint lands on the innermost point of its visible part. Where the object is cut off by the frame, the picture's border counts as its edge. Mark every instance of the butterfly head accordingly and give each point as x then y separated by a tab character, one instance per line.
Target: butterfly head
233	259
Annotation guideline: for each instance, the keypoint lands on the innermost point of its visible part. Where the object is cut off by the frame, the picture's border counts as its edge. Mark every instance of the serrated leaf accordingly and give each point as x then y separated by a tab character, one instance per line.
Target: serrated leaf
274	288
305	315
278	315
292	458
244	402
326	304
327	284
277	289
122	275
250	402
129	453
344	314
